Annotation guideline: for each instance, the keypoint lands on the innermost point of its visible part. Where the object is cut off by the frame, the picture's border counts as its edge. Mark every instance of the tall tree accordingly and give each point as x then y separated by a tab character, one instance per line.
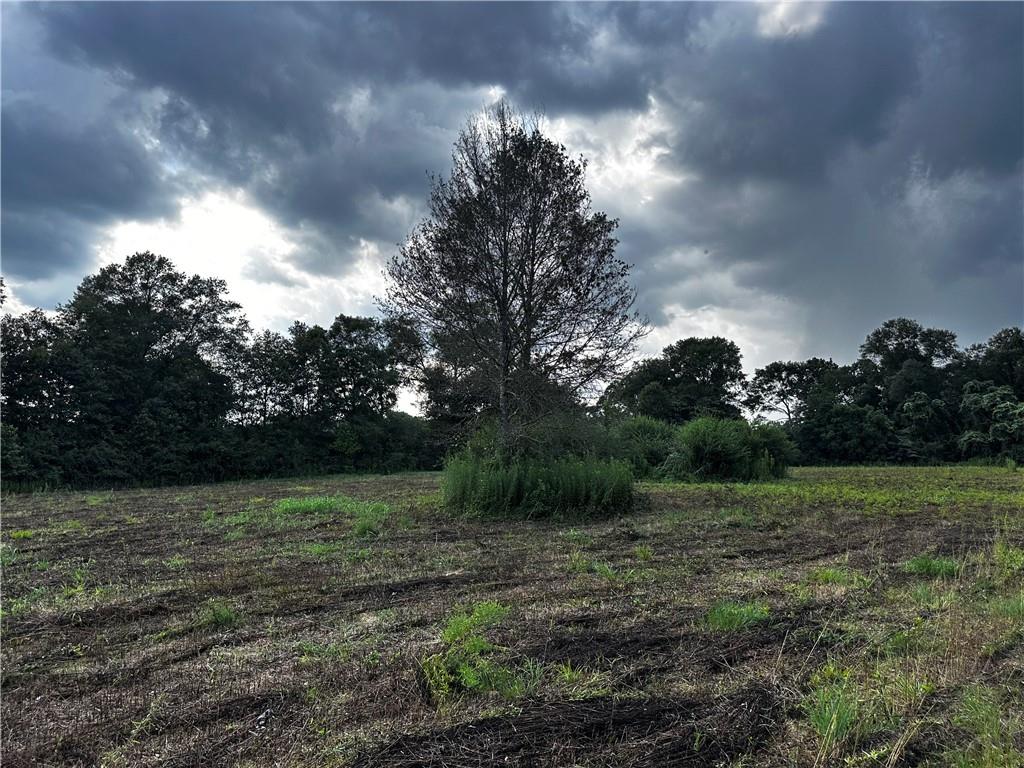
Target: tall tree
513	260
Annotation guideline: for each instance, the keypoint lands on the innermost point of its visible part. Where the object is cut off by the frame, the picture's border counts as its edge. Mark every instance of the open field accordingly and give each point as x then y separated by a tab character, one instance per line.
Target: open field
842	617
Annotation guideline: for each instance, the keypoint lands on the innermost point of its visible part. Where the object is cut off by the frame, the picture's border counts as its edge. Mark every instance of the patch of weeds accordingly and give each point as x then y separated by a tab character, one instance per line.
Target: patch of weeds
77	586
1009	559
430	500
577	538
218	615
41	565
579	683
926	596
318	505
934	567
578	562
1011	607
69	525
993	736
176	562
370	519
362	555
467	665
612	576
906	642
833	709
840	576
465	625
209	516
8	555
22	534
22	604
737	517
97	499
728	615
321	549
310	652
643	553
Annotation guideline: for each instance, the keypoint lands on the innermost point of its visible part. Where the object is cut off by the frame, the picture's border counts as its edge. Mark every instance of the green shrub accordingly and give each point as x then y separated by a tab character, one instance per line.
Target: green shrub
529	488
728	449
644	442
468	663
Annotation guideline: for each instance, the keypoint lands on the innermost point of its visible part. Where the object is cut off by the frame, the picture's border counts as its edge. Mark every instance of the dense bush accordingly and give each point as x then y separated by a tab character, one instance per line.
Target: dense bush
530	488
728	449
642	441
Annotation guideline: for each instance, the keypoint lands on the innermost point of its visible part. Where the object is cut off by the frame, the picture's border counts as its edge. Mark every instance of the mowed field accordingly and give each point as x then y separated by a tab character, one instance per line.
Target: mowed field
841	617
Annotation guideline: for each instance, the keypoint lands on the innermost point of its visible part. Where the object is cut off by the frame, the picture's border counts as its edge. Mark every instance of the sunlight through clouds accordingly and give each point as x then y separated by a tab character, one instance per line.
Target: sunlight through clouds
222	235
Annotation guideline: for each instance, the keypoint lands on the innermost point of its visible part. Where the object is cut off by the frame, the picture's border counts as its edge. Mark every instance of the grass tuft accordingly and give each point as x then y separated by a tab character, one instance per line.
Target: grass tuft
729	615
933	566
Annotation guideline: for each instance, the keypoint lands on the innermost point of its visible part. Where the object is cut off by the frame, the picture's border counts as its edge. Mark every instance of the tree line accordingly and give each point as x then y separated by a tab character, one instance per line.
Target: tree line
510	314
148	375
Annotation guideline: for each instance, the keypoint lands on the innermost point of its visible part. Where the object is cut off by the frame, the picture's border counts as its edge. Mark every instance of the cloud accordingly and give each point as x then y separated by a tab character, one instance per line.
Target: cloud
790	174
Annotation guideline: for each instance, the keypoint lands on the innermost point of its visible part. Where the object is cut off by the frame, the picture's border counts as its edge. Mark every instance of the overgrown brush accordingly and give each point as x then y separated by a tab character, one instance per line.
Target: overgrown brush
644	442
728	449
529	488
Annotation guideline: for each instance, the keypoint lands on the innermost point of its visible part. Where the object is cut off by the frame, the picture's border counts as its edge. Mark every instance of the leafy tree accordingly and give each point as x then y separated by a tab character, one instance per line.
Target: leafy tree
995	421
901	339
513	261
831	431
999	360
692	377
782	388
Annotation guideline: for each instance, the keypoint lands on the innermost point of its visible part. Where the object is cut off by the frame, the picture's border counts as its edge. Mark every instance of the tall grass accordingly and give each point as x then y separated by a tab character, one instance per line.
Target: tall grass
529	488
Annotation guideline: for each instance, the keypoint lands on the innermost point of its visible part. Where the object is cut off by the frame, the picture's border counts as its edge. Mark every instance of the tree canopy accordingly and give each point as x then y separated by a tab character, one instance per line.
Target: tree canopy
514	264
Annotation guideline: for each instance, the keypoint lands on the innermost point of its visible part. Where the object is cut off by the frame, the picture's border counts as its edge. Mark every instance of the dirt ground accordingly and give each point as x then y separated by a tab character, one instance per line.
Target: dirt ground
847	617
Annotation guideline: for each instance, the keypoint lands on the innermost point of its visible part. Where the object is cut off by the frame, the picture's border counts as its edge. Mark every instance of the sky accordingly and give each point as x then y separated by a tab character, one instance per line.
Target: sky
785	175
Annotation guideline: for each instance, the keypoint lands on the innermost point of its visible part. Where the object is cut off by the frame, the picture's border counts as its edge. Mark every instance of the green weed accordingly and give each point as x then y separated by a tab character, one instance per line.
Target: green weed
833	711
933	566
218	615
1008	607
176	562
729	615
643	553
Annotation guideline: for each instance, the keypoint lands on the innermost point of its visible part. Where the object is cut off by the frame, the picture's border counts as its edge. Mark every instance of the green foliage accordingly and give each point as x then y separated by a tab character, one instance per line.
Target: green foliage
693	377
219	615
528	488
728	449
993	742
933	566
462	625
833	710
1011	607
728	615
468	663
643	553
369	515
644	442
839	576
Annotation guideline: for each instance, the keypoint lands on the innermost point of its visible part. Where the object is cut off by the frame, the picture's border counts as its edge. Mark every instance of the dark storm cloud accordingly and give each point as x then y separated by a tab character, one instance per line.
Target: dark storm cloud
59	179
866	165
